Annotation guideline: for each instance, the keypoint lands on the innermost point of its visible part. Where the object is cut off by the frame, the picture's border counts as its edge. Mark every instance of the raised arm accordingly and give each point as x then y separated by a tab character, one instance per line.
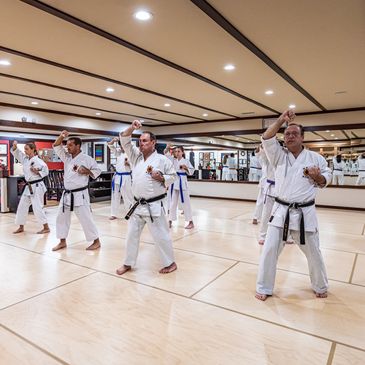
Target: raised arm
112	148
57	145
15	151
130	150
287	117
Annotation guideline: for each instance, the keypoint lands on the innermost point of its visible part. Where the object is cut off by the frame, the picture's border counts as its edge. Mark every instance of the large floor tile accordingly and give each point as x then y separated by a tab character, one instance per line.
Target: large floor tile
339	317
106	320
15	351
359	272
194	270
342	241
24	274
347	356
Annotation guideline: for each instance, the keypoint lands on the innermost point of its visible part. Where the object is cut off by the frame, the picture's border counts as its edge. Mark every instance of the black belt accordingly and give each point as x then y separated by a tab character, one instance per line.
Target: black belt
72	196
30	183
144	201
361	170
286	223
337	169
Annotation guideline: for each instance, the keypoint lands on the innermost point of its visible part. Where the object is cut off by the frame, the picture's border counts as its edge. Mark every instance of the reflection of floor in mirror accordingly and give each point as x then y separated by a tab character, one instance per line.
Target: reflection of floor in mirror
69	307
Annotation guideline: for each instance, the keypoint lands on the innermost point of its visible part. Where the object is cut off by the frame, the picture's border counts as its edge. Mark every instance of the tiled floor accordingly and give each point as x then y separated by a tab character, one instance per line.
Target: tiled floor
69	307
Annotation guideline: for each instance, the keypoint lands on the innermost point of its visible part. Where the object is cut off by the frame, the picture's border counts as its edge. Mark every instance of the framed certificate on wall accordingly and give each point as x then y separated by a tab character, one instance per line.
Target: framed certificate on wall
3	149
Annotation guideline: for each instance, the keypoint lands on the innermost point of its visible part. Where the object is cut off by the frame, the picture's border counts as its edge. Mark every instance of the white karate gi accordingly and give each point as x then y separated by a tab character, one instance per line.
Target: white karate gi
292	186
338	176
36	200
268	192
74	180
119	190
257	214
255	169
144	186
225	172
232	169
361	177
180	190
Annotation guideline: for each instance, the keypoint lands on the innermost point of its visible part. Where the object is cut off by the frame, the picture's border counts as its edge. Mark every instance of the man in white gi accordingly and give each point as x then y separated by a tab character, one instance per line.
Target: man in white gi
299	173
255	168
35	170
257	174
121	183
361	163
338	174
232	168
152	174
77	169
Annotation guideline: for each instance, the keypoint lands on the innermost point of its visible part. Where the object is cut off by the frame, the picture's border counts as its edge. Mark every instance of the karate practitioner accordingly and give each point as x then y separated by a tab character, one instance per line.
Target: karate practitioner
77	169
232	168
361	163
299	173
35	170
338	176
225	168
152	174
121	183
254	173
180	191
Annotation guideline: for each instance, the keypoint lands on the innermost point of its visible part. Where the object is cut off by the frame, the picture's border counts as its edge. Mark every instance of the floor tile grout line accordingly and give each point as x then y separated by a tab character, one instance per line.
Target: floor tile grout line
363	230
331	354
217	277
353	269
46	291
34	345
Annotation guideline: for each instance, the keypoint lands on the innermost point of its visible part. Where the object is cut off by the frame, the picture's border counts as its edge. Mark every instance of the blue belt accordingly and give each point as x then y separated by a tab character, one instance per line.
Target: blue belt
270	182
121	174
180	187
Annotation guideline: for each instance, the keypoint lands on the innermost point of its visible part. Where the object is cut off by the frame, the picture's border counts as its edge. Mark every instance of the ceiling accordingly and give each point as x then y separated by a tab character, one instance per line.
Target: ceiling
64	54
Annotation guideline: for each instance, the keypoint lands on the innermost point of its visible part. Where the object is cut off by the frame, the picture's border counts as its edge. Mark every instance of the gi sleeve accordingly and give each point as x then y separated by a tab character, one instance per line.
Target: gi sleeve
273	150
43	172
325	171
191	168
94	168
19	155
130	149
60	152
169	173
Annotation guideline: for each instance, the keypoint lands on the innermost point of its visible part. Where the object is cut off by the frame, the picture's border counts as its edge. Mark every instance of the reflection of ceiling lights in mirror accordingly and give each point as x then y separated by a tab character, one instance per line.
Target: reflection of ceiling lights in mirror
143	15
328	131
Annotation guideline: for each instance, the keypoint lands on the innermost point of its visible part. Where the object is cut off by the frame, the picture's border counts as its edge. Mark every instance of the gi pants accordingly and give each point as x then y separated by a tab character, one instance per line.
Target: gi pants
186	206
338	178
83	213
125	192
269	257
259	203
35	200
160	233
266	214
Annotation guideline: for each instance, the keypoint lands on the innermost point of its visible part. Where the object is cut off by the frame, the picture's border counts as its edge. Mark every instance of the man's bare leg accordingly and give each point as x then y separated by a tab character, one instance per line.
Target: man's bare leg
19	230
95	245
321	295
61	245
254	221
123	269
168	269
262	297
190	225
45	229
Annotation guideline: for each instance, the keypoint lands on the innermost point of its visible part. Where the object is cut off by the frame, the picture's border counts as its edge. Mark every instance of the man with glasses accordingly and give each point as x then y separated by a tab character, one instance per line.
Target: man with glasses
298	175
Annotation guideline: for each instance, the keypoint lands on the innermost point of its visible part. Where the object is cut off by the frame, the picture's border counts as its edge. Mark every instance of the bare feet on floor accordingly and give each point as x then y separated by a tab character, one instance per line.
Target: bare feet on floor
254	221
261	242
321	295
19	230
168	269
123	269
262	297
44	230
190	225
94	246
60	246
112	218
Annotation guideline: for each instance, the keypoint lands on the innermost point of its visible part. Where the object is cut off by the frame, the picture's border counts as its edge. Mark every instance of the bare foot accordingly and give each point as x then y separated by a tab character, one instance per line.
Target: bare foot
190	225
112	218
60	246
262	297
168	269
321	295
290	241
123	269
170	224
254	221
19	230
94	246
261	242
44	230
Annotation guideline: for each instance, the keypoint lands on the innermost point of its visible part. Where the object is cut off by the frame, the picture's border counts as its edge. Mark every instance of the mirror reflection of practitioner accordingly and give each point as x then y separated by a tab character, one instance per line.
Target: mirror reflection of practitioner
298	175
361	164
35	170
338	175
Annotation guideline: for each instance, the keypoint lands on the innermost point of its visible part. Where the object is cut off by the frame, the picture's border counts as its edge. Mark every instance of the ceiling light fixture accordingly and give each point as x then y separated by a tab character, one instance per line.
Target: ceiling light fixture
167	104
269	92
5	63
205	114
336	137
229	67
98	113
292	106
143	15
332	135
109	90
328	131
34	103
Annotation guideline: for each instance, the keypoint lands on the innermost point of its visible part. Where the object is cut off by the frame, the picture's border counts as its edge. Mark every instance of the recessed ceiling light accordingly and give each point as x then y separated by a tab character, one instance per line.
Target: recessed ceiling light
5	63
269	92
167	104
332	135
143	15
205	114
292	106
229	67
328	131
34	103
341	92
336	137
98	113
109	90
